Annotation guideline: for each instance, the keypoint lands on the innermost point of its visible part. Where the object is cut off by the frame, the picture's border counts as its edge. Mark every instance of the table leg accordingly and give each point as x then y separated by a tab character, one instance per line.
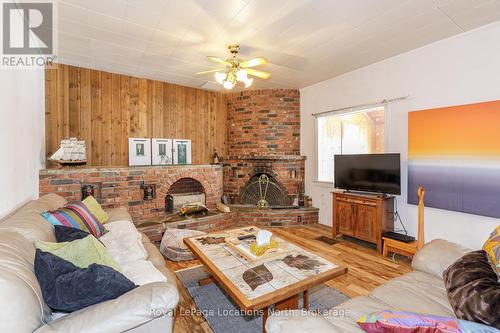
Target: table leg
306	299
265	315
291	303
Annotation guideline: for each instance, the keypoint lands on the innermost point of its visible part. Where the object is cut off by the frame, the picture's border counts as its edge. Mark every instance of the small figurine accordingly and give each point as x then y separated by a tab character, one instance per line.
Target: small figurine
215	158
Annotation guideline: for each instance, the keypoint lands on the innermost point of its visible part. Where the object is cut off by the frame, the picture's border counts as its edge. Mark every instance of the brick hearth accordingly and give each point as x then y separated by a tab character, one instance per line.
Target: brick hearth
239	216
116	187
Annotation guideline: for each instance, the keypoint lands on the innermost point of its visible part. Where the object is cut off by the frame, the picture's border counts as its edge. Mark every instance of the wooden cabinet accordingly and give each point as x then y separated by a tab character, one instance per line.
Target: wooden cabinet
361	216
344	216
366	219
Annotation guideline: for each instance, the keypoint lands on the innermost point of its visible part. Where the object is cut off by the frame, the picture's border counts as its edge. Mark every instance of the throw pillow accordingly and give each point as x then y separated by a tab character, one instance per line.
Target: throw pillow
473	289
76	215
91	203
492	247
81	252
409	322
65	287
68	234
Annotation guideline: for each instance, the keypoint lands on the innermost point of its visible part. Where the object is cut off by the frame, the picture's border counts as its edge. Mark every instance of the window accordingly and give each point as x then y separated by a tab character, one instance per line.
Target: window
358	132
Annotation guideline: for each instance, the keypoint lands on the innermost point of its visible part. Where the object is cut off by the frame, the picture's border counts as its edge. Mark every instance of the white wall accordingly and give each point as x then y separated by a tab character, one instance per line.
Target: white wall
21	136
459	70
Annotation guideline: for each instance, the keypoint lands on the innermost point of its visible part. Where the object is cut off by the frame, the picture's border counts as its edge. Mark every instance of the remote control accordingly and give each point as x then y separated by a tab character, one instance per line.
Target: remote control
246	237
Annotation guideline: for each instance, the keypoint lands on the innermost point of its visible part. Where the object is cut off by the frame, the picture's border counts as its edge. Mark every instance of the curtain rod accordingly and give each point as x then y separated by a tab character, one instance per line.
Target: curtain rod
384	101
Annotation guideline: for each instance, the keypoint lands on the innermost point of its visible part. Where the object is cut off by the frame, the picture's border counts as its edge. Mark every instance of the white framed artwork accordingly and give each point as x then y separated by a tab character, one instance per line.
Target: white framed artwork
182	151
139	151
162	151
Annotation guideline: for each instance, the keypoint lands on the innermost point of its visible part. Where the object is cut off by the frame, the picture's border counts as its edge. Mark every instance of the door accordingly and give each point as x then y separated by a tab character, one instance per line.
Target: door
344	217
366	219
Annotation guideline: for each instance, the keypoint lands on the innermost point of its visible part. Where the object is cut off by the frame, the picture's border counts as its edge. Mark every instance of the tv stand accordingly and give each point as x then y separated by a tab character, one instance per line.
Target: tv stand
363	216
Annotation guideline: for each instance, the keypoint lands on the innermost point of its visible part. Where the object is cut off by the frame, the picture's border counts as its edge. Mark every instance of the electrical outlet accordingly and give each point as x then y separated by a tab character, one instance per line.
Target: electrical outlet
299	219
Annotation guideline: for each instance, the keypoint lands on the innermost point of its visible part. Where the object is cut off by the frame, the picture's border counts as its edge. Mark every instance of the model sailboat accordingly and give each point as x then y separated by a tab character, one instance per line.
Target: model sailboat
71	151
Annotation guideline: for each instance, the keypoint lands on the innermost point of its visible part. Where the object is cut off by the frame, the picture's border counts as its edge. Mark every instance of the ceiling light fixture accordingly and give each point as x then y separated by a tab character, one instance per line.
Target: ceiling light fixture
237	70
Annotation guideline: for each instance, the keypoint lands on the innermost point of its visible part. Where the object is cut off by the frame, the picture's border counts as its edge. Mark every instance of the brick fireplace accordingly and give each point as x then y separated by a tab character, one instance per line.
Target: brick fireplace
286	171
264	138
115	187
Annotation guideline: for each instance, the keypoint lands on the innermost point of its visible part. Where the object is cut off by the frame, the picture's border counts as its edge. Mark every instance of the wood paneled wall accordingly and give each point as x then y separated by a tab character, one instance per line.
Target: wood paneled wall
105	109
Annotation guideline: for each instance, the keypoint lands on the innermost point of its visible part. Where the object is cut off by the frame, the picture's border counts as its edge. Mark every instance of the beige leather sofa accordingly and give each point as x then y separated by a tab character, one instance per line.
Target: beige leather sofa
148	308
421	290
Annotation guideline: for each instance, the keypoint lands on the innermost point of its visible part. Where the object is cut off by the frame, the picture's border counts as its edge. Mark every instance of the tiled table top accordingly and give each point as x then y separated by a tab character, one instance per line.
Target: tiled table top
254	280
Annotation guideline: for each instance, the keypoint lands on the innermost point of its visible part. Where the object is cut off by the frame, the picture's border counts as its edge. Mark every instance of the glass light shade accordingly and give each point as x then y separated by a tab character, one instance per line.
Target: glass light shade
220	77
248	82
241	75
228	84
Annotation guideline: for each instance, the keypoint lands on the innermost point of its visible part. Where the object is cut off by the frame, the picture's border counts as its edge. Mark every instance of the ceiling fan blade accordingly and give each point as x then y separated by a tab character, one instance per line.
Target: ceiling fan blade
210	71
218	60
259	74
254	62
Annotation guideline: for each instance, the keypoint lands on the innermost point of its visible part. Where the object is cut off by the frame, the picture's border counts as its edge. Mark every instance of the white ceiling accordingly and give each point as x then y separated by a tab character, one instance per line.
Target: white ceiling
306	41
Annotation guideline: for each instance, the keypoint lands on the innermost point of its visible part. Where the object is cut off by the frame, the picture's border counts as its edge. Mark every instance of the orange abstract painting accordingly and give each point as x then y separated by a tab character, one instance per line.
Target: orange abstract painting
455	153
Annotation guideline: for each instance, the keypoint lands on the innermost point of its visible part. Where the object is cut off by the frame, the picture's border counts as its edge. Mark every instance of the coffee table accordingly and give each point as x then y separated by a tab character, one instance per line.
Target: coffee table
257	285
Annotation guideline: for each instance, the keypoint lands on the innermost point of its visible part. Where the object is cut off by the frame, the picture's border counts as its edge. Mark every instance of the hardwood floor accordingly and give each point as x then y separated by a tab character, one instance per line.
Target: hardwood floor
366	270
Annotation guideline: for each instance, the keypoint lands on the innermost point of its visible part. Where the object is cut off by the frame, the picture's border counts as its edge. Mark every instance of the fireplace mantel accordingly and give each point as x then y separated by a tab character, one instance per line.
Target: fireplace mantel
73	170
268	157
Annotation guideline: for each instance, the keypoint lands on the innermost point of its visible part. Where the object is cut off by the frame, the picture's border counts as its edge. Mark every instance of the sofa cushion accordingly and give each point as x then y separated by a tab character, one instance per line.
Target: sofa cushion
28	222
124	242
436	256
76	215
416	292
47	202
18	282
142	272
298	321
81	252
344	319
91	203
69	288
68	234
410	322
473	289
118	214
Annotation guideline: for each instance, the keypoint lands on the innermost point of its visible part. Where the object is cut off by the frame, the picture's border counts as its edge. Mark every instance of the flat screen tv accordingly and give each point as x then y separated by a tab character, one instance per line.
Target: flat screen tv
378	173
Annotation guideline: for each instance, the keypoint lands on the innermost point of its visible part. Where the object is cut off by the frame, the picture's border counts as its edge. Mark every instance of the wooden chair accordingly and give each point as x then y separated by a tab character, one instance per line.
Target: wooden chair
408	249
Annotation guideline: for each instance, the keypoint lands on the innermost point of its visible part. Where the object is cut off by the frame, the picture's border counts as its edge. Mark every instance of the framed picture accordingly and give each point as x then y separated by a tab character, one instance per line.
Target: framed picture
182	151
139	151
162	151
454	153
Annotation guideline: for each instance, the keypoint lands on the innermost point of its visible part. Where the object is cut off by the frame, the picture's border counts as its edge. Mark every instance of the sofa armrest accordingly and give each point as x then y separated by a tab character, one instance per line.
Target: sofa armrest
130	310
298	321
435	257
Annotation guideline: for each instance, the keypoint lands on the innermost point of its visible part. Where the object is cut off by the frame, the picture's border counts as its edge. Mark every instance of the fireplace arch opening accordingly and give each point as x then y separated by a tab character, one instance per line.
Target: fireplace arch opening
264	188
184	191
186	186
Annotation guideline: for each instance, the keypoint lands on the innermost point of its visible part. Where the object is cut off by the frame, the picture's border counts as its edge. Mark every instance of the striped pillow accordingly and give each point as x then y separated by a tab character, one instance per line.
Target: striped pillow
76	215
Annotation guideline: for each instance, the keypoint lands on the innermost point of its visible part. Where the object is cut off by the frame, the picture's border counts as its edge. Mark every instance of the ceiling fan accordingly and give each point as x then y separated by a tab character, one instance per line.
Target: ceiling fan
237	70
